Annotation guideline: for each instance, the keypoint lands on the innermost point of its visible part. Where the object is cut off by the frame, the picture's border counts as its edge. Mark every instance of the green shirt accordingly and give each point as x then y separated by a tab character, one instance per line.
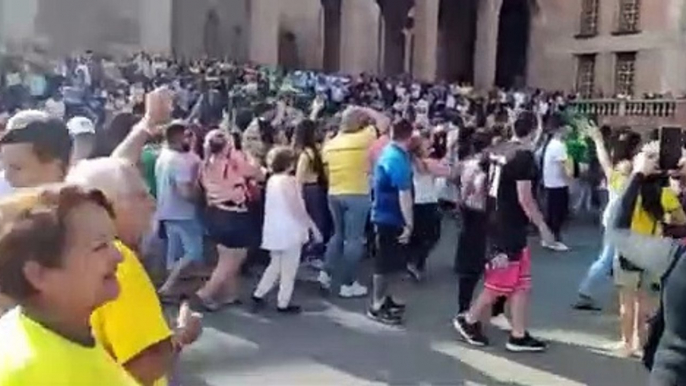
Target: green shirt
148	160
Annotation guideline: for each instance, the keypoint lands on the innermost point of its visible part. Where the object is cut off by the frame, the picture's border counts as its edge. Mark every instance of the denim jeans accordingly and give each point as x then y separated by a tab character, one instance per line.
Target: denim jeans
600	269
346	247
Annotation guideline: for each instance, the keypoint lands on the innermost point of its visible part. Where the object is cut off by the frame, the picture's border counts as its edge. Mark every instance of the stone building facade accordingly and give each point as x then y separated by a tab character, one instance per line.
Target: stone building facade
597	47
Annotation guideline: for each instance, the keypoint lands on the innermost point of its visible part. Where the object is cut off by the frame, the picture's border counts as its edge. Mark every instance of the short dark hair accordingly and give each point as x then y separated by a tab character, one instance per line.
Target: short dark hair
554	122
525	124
402	130
174	130
280	159
50	139
33	228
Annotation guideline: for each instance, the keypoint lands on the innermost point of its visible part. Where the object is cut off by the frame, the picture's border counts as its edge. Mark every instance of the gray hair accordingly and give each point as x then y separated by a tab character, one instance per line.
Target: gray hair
23	118
352	120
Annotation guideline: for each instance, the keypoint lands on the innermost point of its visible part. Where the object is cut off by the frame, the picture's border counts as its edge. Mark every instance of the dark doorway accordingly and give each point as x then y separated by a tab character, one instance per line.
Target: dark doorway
211	37
396	20
456	40
332	34
513	43
288	51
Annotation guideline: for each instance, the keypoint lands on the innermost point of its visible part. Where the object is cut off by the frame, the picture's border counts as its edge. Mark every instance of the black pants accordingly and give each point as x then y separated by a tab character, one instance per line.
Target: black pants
556	209
470	257
427	231
391	256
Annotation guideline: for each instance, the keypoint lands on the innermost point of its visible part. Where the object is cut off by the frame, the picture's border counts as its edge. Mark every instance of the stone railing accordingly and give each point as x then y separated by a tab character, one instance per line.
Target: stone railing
658	108
636	113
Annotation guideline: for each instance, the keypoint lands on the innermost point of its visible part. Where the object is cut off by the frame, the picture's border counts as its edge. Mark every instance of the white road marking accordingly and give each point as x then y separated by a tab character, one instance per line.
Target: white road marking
502	369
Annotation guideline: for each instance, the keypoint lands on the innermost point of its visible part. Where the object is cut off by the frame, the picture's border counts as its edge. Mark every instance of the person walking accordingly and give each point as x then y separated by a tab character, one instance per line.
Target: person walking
556	179
346	157
393	221
512	170
224	175
287	227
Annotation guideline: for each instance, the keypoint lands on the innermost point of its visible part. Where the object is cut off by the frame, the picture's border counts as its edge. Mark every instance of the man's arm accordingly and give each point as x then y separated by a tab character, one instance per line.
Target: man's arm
406	204
152	363
158	109
526	173
381	121
530	206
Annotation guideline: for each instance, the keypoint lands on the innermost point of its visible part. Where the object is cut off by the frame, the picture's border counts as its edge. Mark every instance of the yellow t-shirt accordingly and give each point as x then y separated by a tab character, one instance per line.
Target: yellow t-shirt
134	321
30	354
347	160
641	221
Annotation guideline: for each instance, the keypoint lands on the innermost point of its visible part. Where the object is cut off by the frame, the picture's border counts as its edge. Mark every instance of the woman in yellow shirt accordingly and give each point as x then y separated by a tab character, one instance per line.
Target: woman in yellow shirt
58	261
656	205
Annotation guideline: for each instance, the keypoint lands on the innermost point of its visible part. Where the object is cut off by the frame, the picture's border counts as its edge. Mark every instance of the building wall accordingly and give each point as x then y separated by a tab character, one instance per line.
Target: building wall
551	61
360	36
303	18
17	19
250	30
66	26
660	46
189	22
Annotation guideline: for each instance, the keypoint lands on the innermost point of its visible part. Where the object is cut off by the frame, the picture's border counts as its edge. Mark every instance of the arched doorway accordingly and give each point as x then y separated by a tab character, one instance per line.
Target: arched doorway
288	51
456	40
211	39
332	35
396	23
513	43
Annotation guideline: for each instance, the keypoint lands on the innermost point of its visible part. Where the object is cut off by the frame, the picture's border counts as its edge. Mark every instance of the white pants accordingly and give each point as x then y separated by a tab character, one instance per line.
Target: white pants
282	268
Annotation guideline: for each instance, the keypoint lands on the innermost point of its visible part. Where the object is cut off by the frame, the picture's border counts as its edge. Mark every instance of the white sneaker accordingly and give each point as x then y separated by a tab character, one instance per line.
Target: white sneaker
355	290
556	246
324	280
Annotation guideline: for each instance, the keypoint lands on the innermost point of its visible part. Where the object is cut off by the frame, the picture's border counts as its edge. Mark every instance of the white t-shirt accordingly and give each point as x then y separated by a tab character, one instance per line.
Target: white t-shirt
56	109
554	158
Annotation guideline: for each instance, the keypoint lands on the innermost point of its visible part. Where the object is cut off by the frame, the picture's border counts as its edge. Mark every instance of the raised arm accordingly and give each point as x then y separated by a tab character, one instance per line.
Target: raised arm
158	109
601	151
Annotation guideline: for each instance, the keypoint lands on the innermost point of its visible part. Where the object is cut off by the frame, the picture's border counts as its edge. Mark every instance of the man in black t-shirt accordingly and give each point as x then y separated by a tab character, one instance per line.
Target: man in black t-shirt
511	207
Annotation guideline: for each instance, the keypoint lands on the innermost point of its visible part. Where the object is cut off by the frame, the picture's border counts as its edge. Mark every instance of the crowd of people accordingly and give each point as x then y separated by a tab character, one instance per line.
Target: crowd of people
105	163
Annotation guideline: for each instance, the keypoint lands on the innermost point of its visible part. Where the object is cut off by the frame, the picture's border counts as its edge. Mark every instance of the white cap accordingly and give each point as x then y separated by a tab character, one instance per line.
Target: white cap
25	117
80	125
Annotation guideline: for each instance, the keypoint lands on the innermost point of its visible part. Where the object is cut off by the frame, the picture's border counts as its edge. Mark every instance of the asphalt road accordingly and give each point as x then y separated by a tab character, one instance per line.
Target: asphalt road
333	343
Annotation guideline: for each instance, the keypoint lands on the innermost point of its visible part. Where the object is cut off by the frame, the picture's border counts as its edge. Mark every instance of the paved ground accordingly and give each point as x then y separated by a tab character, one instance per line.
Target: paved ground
333	343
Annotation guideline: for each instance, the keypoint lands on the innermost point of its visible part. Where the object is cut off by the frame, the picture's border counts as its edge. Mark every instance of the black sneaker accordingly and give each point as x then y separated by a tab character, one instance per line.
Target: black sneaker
471	333
257	303
292	309
384	315
586	303
393	307
527	343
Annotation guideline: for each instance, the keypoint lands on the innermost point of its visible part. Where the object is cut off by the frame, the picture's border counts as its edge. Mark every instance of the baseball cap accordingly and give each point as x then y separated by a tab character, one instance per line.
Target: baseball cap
80	125
24	117
50	136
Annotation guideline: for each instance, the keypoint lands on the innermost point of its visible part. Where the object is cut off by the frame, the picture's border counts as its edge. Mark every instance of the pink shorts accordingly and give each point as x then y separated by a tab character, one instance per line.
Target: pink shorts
515	277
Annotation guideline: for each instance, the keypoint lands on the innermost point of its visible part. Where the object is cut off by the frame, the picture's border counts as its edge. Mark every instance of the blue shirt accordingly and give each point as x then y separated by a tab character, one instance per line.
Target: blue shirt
171	170
392	174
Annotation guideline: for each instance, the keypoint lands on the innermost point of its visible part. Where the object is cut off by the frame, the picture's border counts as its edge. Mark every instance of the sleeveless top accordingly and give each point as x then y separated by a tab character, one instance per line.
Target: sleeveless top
281	230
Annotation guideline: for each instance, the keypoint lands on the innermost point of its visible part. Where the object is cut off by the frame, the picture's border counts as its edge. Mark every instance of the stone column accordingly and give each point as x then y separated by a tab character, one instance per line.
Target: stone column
156	23
264	31
486	49
359	36
425	39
